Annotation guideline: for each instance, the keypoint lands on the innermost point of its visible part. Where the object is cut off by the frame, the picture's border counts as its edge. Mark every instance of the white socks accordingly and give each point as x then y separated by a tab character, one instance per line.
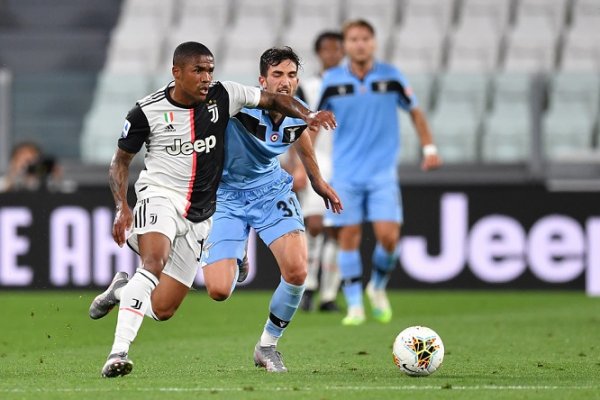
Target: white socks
135	302
266	339
330	274
314	244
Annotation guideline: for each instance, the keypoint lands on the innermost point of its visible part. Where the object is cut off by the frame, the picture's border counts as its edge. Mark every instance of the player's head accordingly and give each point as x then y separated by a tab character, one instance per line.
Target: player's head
279	70
329	48
359	40
193	67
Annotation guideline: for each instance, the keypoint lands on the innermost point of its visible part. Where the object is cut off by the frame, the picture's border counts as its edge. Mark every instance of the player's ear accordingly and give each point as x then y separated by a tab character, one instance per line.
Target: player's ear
176	71
263	82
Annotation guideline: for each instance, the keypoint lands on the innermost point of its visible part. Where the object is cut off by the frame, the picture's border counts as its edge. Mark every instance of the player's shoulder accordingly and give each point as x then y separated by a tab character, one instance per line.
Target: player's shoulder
153	98
335	74
387	69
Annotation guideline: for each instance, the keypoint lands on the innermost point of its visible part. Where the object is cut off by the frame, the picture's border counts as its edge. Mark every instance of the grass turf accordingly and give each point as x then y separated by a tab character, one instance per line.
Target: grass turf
499	345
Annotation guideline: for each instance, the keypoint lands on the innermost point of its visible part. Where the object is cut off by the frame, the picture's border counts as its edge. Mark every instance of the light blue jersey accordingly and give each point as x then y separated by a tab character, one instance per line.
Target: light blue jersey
255	192
366	142
252	144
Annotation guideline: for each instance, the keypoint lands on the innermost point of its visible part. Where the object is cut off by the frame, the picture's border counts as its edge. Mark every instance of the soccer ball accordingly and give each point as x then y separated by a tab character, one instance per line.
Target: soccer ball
418	351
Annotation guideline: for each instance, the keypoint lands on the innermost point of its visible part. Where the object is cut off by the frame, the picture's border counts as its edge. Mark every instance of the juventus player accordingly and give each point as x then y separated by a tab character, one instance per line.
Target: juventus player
183	127
256	192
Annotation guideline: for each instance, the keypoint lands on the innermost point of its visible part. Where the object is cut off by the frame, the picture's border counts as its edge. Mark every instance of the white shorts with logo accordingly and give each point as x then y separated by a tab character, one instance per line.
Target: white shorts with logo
158	214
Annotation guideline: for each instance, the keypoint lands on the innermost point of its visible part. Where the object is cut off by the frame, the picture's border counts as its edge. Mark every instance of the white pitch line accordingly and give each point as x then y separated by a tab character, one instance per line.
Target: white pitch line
298	389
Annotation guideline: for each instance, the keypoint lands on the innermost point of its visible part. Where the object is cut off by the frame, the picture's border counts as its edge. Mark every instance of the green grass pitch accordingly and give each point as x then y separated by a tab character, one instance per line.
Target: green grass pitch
499	345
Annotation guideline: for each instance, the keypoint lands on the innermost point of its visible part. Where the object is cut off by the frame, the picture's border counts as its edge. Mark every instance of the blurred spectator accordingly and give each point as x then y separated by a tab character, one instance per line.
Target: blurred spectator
29	169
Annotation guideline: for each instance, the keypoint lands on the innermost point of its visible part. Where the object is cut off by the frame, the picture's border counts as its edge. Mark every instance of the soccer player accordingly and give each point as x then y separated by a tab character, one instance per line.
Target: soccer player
364	95
322	247
183	127
256	192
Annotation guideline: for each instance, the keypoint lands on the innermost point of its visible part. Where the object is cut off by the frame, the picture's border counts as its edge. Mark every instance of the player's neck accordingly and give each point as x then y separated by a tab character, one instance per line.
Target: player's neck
361	68
275	116
179	97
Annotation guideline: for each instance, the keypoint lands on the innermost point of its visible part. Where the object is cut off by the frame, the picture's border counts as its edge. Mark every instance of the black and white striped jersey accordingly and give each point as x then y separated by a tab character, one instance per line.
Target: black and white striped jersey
185	145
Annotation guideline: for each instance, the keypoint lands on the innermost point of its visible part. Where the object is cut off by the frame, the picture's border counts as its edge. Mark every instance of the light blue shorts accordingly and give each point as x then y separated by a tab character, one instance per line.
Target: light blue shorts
370	202
272	210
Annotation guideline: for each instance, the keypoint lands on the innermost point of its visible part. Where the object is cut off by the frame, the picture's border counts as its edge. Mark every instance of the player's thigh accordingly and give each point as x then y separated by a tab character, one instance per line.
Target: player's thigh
219	277
349	236
186	253
229	233
314	224
168	296
384	203
291	255
387	233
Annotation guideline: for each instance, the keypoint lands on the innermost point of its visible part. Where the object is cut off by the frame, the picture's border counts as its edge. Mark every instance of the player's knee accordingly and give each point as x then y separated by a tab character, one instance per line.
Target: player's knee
313	230
154	264
219	293
296	274
164	313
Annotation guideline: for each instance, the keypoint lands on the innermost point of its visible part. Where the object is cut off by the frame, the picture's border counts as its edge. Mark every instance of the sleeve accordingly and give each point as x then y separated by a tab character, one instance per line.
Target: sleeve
135	130
241	96
406	96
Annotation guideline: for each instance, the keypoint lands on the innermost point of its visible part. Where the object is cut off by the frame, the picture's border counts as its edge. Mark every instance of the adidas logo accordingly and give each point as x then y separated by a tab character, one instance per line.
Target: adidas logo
170	128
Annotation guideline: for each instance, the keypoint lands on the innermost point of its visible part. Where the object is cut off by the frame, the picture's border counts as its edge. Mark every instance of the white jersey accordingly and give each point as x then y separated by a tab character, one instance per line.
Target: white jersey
311	88
185	145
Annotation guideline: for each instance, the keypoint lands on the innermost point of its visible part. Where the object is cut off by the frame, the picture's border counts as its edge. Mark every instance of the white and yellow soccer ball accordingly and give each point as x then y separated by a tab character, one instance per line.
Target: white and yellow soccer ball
418	351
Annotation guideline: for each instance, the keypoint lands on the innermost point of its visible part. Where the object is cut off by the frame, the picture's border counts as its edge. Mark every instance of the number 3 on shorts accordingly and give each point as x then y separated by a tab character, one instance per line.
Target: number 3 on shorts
288	212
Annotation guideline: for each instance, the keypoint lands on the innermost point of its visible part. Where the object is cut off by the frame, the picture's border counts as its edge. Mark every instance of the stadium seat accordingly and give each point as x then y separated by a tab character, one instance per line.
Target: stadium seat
325	14
372	12
301	36
507	134
243	49
127	88
440	11
530	47
185	33
578	90
553	13
474	47
456	129
586	12
468	91
567	132
101	129
131	52
493	13
417	46
581	50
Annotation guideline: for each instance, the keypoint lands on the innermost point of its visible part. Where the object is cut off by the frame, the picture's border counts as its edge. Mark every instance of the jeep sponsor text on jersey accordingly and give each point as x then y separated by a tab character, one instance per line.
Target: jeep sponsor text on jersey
187	148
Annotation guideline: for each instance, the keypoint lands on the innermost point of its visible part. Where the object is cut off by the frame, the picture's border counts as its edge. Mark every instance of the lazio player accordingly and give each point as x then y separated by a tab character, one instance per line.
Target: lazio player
256	192
364	94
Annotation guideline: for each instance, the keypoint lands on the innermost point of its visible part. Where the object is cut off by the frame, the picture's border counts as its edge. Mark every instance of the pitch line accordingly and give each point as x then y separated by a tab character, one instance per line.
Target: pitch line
298	389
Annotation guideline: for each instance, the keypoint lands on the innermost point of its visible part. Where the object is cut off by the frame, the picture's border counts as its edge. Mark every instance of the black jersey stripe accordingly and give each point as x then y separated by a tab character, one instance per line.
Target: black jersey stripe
335	90
392	86
252	125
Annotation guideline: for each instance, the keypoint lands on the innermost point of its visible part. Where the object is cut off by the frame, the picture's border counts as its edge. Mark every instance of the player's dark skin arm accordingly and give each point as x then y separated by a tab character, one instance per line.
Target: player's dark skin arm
291	107
118	179
306	153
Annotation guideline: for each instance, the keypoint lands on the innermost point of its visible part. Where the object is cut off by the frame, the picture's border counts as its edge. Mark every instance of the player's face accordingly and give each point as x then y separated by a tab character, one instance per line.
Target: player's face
359	44
330	53
194	77
282	78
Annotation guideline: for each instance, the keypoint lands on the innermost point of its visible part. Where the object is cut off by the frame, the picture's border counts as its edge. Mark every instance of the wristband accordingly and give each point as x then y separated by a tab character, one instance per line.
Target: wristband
312	115
429	150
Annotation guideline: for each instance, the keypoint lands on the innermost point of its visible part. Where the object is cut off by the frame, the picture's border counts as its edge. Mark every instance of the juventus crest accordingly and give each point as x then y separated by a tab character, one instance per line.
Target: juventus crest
214	113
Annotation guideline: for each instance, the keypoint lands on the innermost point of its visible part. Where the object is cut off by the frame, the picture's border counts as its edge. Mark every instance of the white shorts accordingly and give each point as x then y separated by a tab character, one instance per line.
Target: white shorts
311	202
158	214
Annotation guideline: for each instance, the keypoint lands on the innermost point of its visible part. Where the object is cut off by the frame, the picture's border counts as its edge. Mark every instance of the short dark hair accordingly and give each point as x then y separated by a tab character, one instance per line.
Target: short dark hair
357	23
327	35
275	56
187	50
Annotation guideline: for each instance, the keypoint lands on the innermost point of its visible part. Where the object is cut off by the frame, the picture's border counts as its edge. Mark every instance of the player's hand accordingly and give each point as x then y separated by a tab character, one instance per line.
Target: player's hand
431	161
324	119
332	200
122	222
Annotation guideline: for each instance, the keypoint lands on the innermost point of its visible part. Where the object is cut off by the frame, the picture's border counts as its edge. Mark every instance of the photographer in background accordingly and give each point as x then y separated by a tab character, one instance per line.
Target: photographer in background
30	170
